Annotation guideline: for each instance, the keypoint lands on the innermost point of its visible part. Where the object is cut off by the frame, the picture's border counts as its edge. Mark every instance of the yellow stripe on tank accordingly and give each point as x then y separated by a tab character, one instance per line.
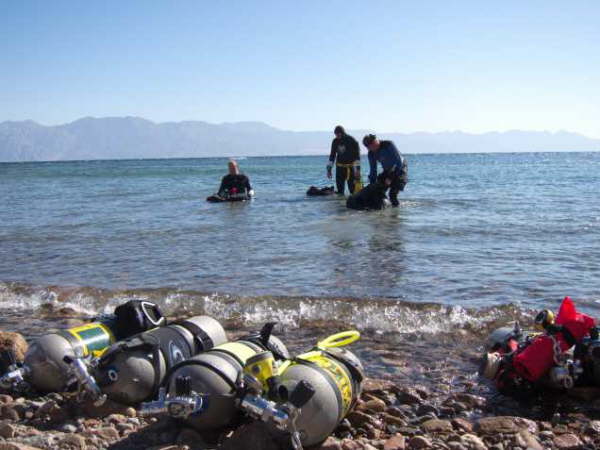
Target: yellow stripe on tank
94	337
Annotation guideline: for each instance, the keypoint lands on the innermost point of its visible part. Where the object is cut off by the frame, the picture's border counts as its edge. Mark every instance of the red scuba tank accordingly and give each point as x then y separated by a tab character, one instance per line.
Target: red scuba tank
538	357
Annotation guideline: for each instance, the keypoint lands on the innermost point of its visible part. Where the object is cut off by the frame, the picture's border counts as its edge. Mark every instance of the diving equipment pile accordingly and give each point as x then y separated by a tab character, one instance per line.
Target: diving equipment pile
132	370
564	353
58	360
306	396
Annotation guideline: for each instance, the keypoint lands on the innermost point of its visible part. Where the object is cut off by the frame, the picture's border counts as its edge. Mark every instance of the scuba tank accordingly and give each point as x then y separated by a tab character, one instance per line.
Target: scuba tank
203	389
132	370
55	360
306	396
335	376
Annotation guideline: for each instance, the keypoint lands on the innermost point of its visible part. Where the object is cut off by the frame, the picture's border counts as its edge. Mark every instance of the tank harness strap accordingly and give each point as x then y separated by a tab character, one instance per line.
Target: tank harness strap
356	374
202	340
195	362
76	344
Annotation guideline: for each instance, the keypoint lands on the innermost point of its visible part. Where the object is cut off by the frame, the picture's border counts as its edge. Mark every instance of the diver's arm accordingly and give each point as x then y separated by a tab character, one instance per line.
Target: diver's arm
249	189
332	155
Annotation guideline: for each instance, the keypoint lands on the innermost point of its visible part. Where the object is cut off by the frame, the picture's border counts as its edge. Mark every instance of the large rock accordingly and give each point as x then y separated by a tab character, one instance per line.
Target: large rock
417	442
437	426
567	441
396	442
472	442
14	342
505	424
527	440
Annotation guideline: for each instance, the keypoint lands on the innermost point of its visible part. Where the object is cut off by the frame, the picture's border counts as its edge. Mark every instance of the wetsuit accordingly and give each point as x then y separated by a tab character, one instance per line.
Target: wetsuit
234	184
346	155
394	168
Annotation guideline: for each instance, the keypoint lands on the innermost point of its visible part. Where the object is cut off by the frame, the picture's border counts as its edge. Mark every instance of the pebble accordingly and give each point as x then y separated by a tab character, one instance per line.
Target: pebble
417	442
567	441
437	426
7	430
396	442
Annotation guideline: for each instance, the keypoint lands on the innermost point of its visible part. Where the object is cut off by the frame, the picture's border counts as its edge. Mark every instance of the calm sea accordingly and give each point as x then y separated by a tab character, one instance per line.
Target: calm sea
473	232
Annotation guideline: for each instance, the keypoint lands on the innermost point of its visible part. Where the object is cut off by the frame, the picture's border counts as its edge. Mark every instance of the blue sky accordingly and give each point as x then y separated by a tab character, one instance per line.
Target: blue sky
386	65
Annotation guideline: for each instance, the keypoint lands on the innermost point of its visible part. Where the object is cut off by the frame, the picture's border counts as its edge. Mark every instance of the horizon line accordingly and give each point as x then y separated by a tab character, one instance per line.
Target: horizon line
242	157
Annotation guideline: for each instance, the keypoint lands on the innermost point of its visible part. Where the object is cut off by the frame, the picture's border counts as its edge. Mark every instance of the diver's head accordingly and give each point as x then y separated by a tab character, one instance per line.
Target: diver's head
371	142
339	131
233	167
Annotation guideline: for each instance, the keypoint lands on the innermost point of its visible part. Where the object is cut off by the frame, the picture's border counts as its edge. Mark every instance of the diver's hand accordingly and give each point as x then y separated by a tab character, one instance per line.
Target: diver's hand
387	181
329	174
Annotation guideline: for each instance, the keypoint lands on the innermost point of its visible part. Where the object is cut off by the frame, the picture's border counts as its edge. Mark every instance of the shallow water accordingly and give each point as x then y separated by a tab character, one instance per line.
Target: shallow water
473	232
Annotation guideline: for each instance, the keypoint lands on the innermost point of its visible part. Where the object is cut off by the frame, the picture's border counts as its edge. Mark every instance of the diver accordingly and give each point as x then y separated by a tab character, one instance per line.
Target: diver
235	186
346	155
395	168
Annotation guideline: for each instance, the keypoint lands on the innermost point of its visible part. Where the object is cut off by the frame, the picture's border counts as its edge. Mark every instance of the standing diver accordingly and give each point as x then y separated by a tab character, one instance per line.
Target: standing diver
235	186
346	155
395	168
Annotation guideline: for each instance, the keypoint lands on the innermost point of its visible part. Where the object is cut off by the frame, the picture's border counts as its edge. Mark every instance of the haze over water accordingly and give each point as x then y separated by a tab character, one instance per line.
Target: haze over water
472	231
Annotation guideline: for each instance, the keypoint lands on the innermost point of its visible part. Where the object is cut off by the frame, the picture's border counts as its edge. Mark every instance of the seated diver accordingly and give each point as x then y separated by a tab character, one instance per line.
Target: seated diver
372	196
235	186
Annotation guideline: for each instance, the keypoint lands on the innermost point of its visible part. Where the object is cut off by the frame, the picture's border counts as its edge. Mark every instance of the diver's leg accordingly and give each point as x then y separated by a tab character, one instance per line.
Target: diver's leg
350	180
340	179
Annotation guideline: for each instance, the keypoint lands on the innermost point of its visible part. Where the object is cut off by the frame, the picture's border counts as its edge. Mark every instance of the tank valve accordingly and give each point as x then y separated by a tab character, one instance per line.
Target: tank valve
180	406
85	382
14	379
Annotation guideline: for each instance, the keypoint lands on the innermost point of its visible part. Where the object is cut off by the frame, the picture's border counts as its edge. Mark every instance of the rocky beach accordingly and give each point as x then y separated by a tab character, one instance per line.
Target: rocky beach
422	391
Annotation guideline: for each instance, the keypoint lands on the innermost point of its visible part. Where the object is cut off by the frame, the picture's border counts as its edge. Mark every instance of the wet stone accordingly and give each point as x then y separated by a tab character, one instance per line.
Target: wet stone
527	440
408	396
417	442
567	441
437	426
375	405
358	419
396	442
7	430
427	409
593	427
393	420
462	424
330	443
73	441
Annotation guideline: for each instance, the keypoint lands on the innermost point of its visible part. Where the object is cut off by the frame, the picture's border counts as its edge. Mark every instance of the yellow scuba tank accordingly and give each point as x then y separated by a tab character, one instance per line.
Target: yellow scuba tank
336	376
307	395
55	360
203	389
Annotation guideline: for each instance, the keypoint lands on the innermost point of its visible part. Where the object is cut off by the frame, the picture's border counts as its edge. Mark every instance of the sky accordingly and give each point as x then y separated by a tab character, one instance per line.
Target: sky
402	66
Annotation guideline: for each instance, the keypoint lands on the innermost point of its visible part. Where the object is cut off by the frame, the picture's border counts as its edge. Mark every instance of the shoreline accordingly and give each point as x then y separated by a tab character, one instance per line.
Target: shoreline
422	391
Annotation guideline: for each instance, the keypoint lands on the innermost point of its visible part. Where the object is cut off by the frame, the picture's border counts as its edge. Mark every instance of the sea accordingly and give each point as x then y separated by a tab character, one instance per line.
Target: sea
477	238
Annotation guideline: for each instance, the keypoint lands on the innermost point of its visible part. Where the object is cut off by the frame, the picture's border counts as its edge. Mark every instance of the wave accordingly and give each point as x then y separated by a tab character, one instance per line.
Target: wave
379	315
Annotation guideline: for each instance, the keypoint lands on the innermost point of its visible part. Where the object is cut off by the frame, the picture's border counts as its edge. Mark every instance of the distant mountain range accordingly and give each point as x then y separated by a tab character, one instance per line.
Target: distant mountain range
133	137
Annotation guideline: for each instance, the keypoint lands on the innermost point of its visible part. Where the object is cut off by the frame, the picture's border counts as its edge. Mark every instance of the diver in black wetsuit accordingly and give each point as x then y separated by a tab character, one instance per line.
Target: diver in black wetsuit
234	186
346	155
